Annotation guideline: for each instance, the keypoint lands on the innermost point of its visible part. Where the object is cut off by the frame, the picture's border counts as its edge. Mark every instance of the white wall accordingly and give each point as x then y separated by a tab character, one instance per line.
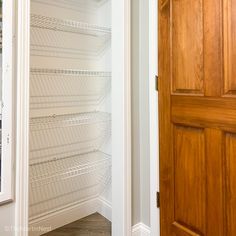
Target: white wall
140	112
136	217
145	114
7	219
7	211
153	119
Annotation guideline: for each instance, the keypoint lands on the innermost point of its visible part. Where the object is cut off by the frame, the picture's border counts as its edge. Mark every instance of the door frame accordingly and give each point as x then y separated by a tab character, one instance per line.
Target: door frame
121	115
121	118
7	102
22	117
153	117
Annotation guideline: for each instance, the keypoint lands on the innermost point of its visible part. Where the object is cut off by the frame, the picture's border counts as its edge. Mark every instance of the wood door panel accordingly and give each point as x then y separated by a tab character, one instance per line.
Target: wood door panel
215	184
181	230
189	169
229	47
230	193
197	54
213	61
204	112
187	46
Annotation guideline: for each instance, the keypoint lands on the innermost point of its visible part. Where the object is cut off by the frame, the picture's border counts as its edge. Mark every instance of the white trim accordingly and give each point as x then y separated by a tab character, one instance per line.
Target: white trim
141	229
22	138
121	118
105	208
153	122
69	215
144	138
63	217
7	170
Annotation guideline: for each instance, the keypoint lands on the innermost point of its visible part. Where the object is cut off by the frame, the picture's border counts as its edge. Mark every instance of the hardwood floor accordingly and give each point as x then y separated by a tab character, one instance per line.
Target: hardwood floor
93	225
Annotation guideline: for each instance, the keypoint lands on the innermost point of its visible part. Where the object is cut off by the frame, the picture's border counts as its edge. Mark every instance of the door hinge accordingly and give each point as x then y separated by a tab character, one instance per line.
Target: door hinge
158	199
157	85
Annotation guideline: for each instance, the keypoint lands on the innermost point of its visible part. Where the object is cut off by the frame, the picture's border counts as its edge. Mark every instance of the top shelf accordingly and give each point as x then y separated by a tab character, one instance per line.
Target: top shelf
76	5
44	22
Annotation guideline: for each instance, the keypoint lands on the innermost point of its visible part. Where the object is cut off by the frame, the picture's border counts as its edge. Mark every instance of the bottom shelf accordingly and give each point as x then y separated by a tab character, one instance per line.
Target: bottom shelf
56	184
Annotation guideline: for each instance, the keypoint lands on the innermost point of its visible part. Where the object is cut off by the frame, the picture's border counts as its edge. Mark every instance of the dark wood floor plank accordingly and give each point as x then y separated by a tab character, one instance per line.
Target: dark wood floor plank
93	225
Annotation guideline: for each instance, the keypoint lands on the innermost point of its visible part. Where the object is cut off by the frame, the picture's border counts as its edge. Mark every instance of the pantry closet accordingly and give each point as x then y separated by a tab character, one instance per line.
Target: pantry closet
70	108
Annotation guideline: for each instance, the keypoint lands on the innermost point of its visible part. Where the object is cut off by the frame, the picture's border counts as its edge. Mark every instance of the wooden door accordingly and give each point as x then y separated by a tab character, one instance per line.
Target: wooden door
197	96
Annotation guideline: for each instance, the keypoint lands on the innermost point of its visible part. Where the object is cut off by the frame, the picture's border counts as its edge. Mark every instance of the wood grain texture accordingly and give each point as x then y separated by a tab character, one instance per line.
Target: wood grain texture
204	111
94	225
230	177
181	230
229	47
214	182
190	184
166	170
187	46
197	133
213	59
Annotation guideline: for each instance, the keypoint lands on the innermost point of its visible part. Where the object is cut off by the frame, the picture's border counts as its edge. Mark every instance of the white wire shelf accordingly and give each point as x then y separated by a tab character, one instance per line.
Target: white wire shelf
59	137
45	123
67	89
85	73
52	37
57	184
75	5
58	170
44	22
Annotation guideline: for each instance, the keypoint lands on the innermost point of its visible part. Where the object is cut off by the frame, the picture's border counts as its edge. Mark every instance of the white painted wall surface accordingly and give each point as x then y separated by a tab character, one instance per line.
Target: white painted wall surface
121	118
7	219
153	119
145	114
136	198
140	112
7	211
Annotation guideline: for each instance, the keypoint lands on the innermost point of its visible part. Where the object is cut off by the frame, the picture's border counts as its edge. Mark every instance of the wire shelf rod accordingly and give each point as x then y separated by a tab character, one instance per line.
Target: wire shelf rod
60	152
69	174
78	5
50	173
72	171
73	72
70	120
56	24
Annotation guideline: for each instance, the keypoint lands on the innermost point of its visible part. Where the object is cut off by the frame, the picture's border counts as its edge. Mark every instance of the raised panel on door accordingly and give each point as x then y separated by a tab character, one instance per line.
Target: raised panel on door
229	19
187	46
230	180
189	180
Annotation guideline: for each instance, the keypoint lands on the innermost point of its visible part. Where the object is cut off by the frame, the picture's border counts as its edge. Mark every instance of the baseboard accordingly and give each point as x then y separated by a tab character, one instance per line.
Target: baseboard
63	217
105	208
141	229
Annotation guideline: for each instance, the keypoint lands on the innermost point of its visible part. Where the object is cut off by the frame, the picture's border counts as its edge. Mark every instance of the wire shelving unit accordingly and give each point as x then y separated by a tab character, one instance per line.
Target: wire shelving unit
62	38
56	185
59	137
75	5
70	26
68	89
